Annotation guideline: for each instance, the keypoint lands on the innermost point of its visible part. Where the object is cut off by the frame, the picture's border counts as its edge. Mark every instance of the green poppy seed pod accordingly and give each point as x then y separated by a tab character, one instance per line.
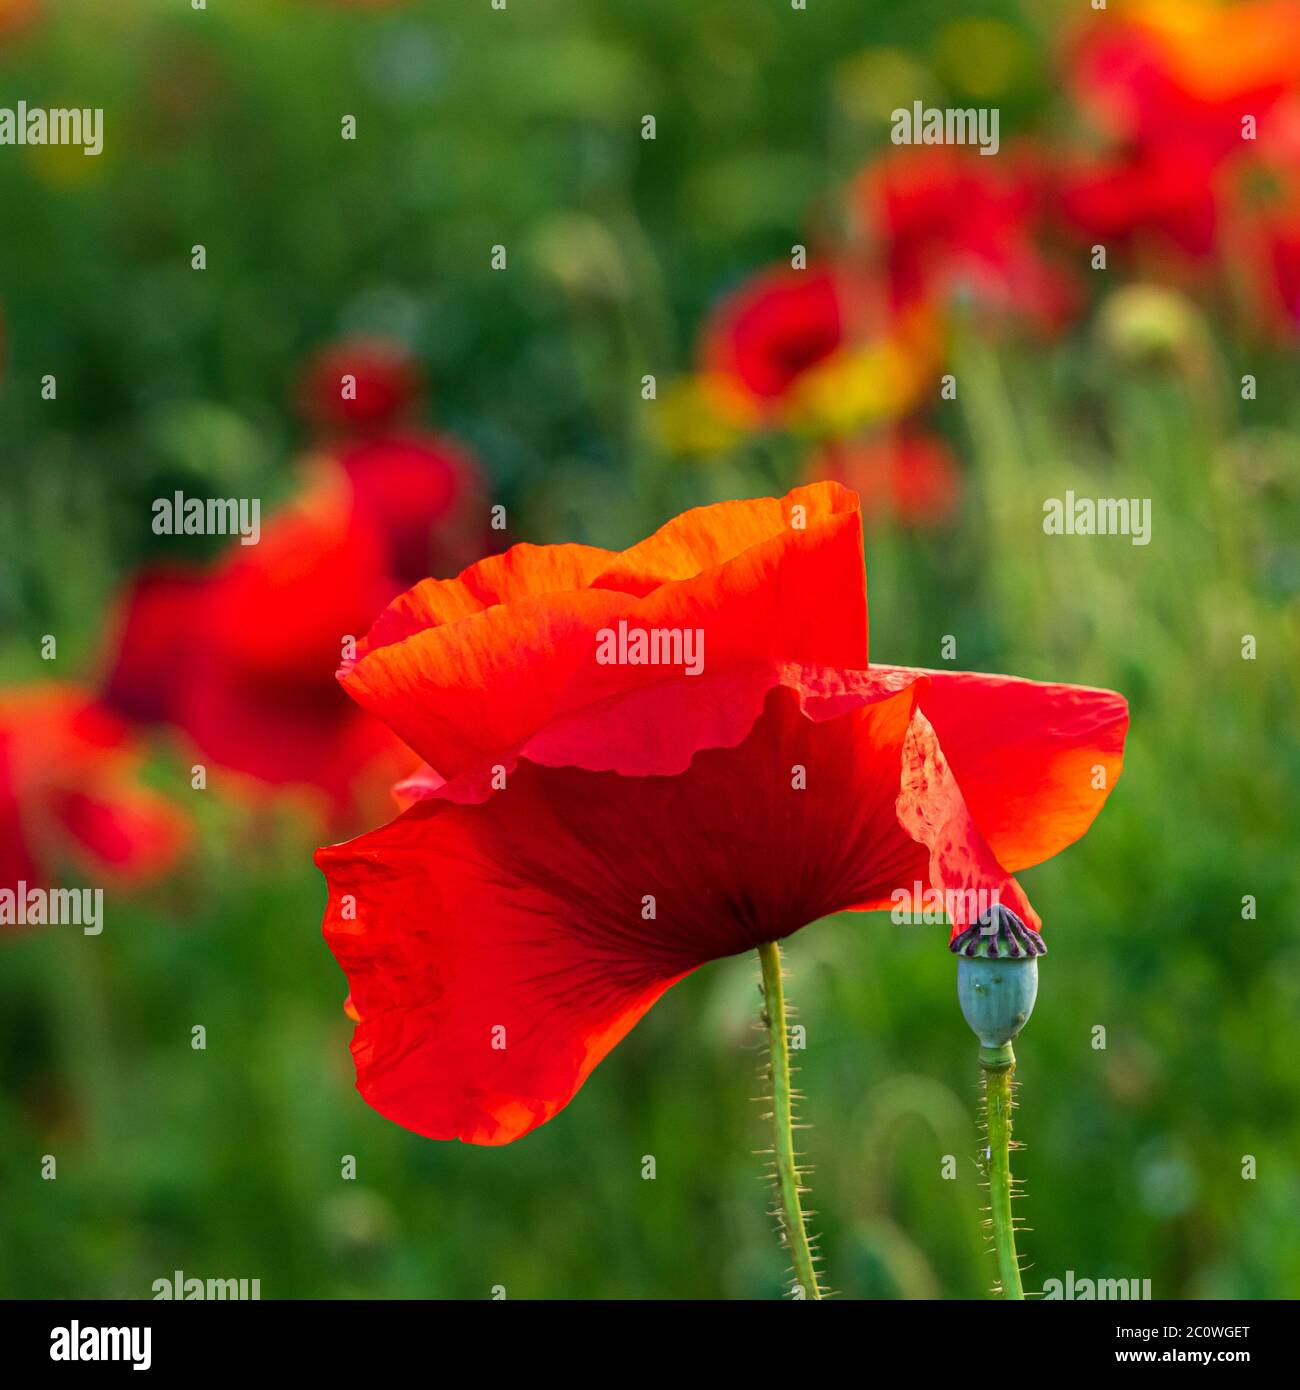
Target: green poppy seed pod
997	981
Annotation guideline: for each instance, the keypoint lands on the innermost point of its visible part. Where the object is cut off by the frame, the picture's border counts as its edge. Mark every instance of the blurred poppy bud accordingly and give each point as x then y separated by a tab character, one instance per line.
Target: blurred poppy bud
1151	325
360	385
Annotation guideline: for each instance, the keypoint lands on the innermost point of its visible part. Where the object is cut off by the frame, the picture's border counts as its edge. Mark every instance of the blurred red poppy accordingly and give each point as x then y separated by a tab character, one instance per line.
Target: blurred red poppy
425	493
1179	77
360	385
908	475
1260	226
593	832
954	226
1161	200
1196	100
70	795
819	349
773	329
240	657
1273	240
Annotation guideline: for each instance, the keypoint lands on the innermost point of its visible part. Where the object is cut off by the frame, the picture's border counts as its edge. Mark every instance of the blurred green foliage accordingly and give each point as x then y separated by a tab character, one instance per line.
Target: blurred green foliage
223	129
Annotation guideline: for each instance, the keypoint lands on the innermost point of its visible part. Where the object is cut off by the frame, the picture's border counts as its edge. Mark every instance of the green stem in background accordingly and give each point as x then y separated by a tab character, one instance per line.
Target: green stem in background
788	1186
999	1066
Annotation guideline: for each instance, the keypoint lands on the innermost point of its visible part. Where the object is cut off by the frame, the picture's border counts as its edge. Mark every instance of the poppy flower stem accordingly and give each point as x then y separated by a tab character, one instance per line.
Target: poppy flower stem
997	984
788	1186
999	1066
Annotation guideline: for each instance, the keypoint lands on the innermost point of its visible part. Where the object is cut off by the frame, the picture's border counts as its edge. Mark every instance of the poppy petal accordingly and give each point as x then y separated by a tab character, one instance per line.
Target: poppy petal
16	862
1035	760
468	693
706	537
962	867
497	951
157	625
520	572
129	833
68	789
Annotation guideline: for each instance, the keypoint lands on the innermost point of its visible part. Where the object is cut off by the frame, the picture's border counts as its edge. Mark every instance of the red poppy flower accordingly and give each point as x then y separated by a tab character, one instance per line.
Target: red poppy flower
69	793
360	385
425	493
1276	263
952	224
818	348
240	657
773	329
909	475
1179	78
1260	235
1171	86
594	832
1157	199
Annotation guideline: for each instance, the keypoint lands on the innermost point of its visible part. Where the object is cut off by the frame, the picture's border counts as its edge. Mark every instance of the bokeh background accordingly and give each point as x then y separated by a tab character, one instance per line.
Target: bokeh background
523	387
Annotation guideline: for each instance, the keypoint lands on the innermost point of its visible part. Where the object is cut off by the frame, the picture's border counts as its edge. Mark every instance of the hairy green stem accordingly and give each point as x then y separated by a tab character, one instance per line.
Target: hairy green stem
787	1170
999	1068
